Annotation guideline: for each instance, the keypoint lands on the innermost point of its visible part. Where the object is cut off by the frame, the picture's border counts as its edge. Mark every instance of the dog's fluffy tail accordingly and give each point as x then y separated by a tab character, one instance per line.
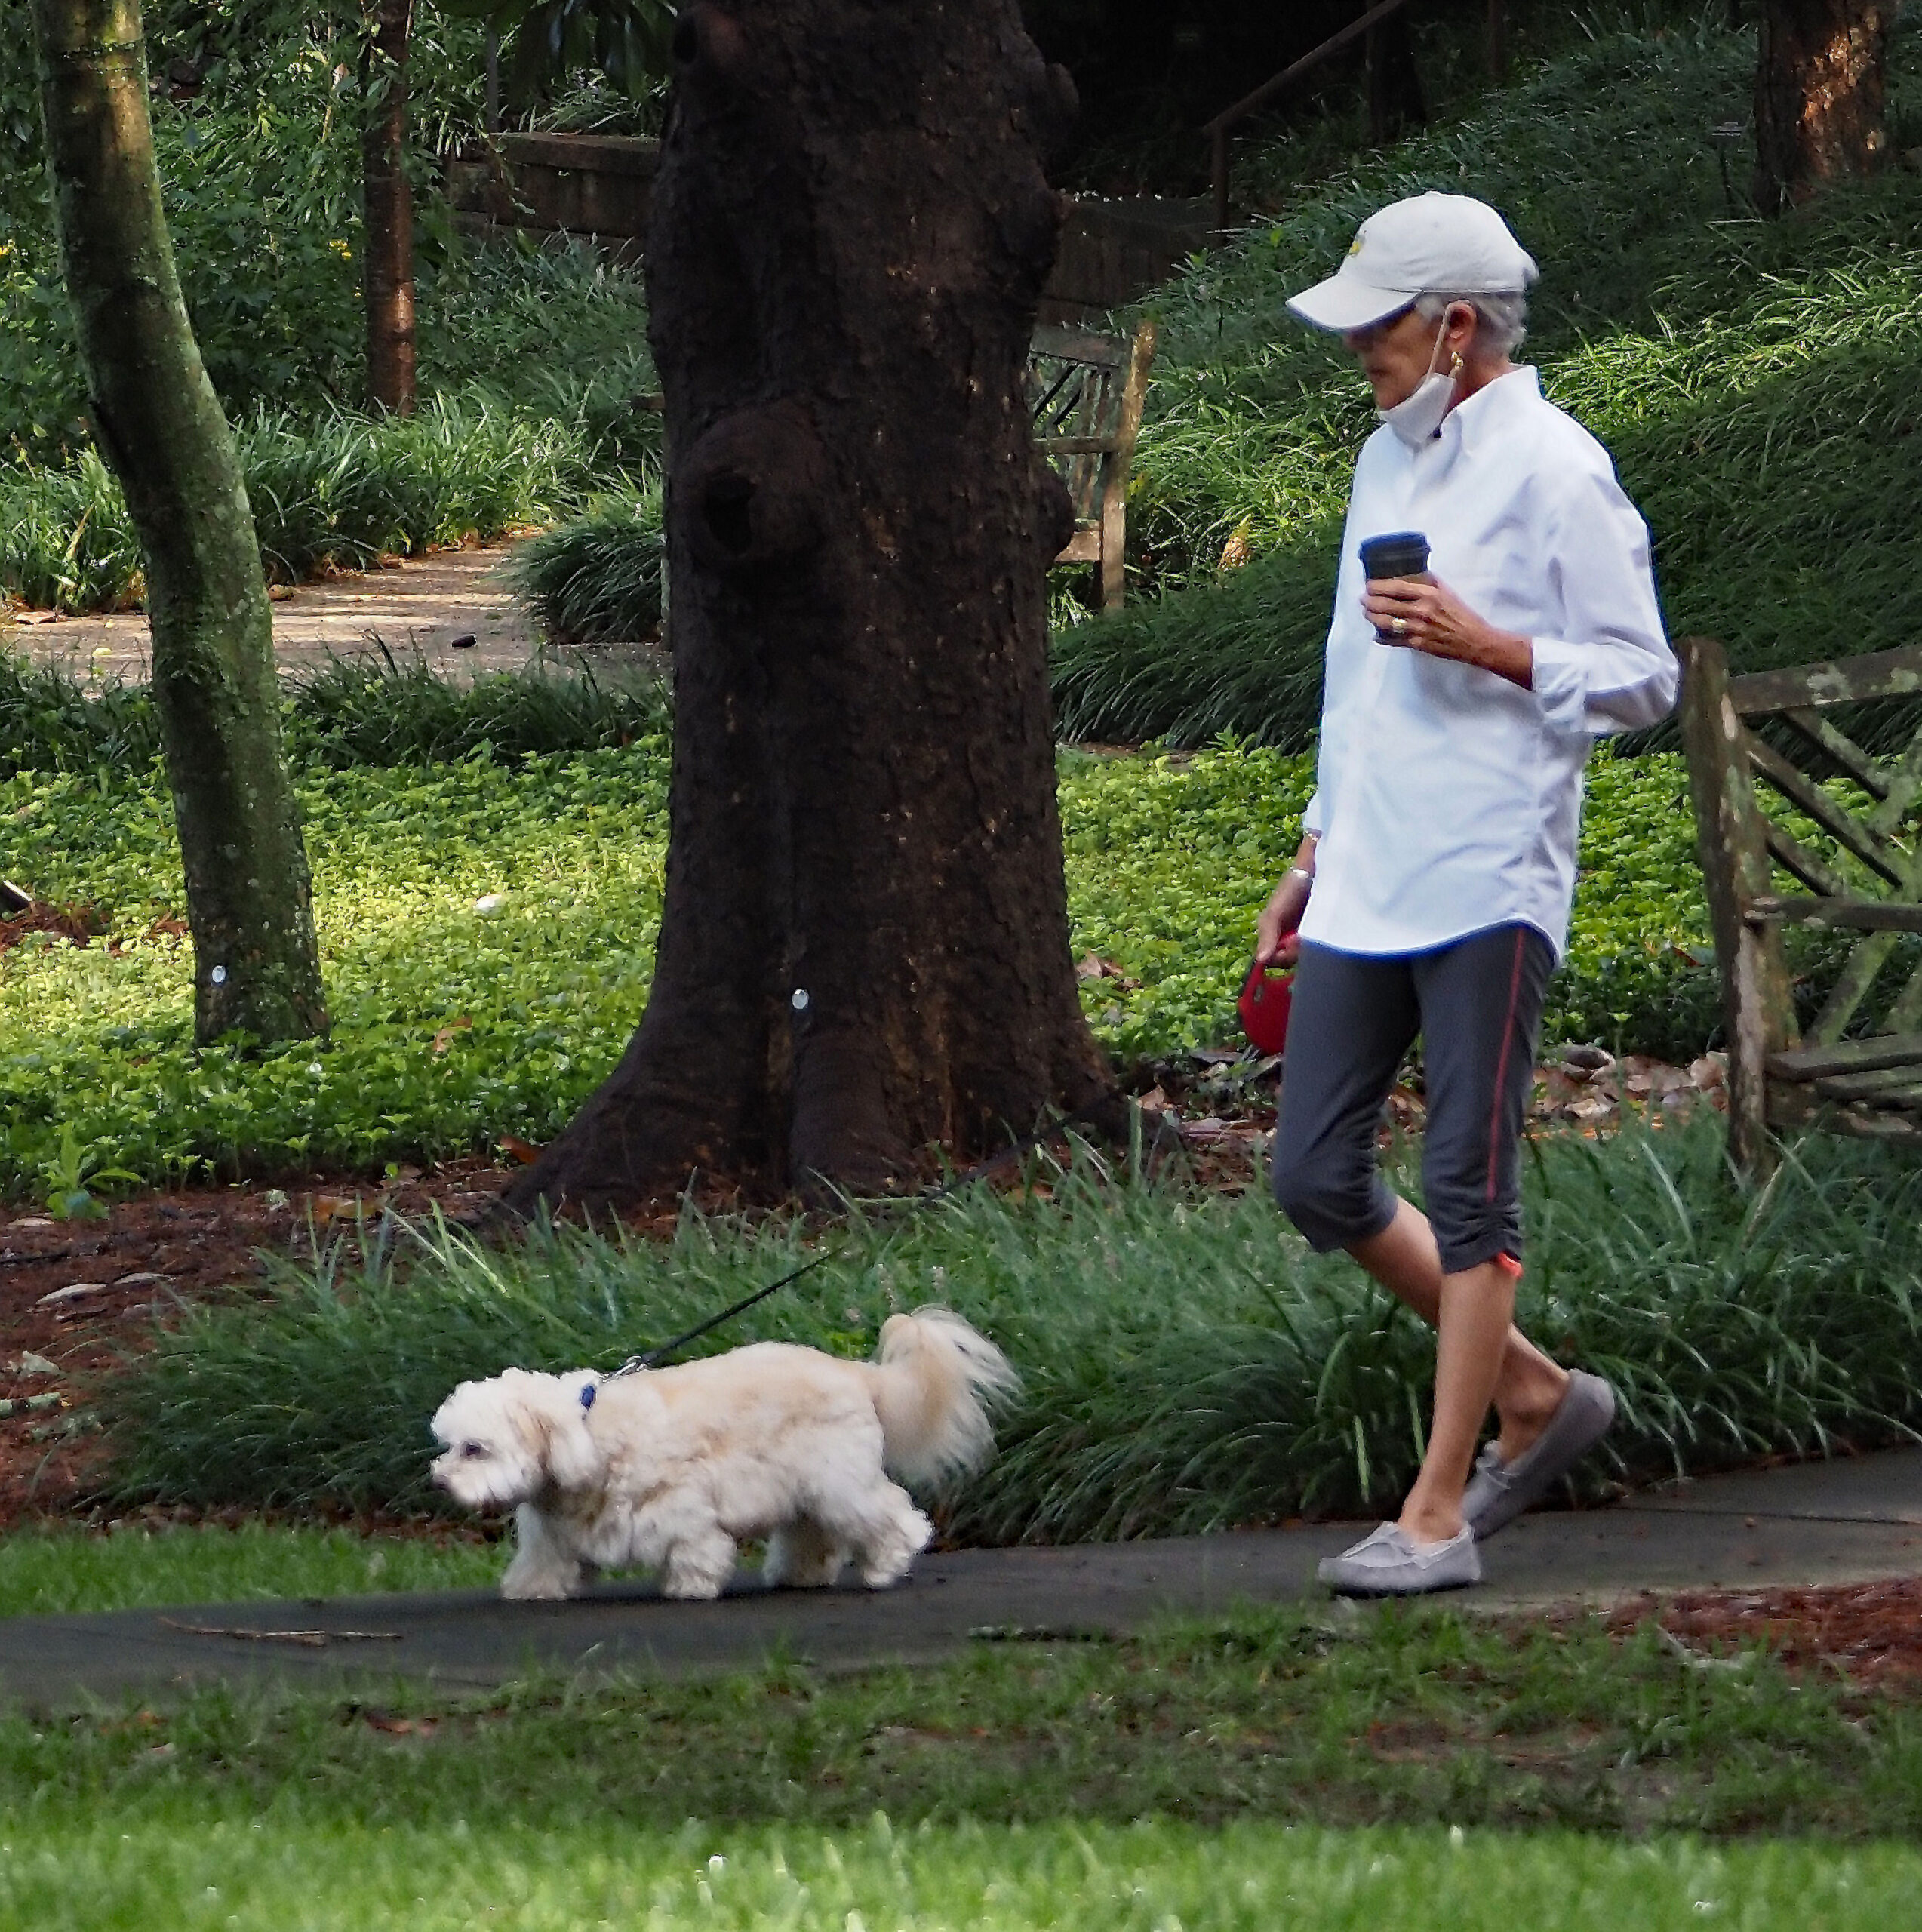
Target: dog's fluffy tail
934	1380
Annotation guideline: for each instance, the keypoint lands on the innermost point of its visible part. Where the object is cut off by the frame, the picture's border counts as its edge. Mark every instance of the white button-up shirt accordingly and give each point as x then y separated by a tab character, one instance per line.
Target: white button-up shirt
1449	798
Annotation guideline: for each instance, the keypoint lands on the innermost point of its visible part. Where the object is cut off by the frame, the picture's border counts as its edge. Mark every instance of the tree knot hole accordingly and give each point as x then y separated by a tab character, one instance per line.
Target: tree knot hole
725	504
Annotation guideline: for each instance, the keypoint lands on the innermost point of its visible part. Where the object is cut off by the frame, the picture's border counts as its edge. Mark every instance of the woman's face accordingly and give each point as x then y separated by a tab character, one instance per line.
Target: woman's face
1396	354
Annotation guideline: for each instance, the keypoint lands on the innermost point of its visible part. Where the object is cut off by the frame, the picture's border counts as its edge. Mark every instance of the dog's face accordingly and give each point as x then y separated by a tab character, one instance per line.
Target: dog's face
504	1441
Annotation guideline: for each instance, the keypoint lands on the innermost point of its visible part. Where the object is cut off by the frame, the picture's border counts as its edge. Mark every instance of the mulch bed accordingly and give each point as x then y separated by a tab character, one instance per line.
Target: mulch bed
1869	1633
83	1295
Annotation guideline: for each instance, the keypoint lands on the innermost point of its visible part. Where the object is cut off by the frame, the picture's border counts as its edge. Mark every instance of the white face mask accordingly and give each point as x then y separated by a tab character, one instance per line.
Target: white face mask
1417	417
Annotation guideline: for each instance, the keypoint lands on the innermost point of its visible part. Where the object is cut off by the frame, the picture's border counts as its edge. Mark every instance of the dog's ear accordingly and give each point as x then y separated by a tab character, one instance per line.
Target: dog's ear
573	1458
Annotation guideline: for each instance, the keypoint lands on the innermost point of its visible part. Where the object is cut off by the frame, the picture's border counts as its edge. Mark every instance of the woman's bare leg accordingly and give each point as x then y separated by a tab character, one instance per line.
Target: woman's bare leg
1527	1387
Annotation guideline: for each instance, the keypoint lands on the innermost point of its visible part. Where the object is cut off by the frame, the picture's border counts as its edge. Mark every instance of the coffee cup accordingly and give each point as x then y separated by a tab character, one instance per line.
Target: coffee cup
1397	553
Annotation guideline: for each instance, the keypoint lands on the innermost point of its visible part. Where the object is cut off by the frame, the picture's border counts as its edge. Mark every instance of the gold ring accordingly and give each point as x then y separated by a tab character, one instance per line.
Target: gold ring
1400	627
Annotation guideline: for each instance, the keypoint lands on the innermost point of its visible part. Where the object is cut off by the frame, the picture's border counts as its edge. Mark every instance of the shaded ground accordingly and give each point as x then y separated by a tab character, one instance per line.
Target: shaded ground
417	606
1847	1523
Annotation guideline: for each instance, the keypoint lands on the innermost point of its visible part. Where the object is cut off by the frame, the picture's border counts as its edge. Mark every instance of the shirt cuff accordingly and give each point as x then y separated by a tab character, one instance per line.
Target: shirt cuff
1560	685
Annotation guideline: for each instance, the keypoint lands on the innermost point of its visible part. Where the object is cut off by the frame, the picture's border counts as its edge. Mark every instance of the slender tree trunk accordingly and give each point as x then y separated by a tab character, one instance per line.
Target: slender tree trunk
1818	95
1395	82
158	423
387	263
864	946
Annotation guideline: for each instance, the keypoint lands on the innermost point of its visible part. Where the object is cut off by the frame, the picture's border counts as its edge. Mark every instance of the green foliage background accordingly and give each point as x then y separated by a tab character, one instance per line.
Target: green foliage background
1751	379
1169	858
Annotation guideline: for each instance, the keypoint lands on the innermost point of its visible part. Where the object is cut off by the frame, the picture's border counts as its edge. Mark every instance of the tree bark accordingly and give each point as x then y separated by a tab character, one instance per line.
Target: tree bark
864	944
1818	95
159	426
387	238
1395	82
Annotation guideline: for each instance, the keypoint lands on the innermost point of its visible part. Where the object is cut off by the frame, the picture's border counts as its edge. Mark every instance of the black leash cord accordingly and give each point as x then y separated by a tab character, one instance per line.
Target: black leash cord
653	1358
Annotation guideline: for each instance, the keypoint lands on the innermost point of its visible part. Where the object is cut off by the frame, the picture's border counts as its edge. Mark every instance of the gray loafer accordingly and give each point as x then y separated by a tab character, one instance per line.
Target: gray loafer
1388	1562
1500	1492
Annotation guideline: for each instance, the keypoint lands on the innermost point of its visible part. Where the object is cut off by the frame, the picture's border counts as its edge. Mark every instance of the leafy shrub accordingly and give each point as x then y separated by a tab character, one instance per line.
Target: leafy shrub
597	578
1187	1363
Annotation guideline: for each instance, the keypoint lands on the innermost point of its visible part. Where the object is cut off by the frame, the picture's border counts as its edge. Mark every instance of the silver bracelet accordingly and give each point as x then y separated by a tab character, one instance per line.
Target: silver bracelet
1299	872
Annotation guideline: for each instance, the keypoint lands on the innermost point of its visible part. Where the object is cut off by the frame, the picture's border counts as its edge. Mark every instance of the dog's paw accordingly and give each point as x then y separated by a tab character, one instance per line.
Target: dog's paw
538	1586
692	1590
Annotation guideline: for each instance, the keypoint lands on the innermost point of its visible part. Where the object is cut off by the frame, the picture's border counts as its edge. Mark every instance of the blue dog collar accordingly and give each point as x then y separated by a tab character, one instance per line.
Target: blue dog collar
587	1395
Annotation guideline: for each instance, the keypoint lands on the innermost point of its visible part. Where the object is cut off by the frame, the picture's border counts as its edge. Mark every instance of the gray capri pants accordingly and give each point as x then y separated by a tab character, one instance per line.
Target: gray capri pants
1477	1003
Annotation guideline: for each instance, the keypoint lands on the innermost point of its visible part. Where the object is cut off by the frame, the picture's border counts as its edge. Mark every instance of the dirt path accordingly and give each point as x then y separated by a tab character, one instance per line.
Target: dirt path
420	606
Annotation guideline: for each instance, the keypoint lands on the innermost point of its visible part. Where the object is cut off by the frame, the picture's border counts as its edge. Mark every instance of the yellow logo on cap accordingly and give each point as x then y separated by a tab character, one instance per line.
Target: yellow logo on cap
1355	247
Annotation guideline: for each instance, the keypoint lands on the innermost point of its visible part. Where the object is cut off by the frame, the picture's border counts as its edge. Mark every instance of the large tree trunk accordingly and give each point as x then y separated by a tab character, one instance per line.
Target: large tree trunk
864	947
387	241
159	424
1819	94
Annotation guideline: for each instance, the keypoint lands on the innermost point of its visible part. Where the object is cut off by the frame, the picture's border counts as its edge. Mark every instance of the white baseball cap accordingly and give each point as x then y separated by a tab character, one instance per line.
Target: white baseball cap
1429	244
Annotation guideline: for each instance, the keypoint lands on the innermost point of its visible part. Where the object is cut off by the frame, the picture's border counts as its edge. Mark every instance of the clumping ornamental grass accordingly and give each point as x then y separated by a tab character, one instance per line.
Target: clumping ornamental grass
1187	1364
357	711
332	492
597	578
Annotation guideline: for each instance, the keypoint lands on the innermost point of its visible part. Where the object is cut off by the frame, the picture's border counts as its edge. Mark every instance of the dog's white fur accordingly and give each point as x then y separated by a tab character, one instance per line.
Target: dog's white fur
675	1467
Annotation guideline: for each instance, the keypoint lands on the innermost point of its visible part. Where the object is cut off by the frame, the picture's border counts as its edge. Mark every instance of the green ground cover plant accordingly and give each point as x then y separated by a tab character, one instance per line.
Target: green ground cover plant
451	1028
1274	1768
1187	1363
1748	377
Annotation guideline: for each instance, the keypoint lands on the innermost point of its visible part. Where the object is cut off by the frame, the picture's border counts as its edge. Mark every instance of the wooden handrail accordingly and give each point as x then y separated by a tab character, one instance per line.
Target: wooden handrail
1216	129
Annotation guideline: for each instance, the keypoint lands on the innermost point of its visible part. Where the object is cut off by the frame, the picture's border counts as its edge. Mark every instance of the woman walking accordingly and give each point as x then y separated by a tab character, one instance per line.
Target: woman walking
1431	894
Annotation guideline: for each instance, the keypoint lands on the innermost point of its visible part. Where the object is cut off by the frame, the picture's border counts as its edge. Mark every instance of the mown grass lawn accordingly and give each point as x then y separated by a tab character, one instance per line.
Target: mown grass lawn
50	1571
184	1870
1397	1771
452	1027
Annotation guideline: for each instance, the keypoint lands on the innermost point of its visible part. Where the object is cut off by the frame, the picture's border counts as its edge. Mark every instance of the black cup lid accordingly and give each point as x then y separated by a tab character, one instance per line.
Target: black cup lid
1395	553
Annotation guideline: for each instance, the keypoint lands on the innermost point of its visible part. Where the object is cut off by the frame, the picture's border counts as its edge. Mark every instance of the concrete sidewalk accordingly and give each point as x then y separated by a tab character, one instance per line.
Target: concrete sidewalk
1845	1521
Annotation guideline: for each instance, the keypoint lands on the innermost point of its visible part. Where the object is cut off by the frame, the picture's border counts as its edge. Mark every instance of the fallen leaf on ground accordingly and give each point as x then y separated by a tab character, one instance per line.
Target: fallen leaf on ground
444	1038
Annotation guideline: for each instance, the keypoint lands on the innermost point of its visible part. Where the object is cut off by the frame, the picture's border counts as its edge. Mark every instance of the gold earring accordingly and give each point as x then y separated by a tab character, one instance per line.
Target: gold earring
1455	367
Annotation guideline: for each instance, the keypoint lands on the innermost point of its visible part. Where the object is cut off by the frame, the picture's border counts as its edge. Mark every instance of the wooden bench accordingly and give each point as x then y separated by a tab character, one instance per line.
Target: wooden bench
1774	727
1087	392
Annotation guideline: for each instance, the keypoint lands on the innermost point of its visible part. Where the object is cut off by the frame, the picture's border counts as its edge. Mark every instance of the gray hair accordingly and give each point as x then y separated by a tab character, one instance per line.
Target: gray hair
1503	320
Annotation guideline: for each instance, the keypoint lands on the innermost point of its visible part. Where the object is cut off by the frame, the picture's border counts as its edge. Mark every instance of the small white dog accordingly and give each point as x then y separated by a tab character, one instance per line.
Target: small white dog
675	1467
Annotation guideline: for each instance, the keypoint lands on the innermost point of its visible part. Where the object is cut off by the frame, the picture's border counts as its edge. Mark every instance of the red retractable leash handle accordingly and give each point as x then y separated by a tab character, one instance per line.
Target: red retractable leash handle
1266	994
